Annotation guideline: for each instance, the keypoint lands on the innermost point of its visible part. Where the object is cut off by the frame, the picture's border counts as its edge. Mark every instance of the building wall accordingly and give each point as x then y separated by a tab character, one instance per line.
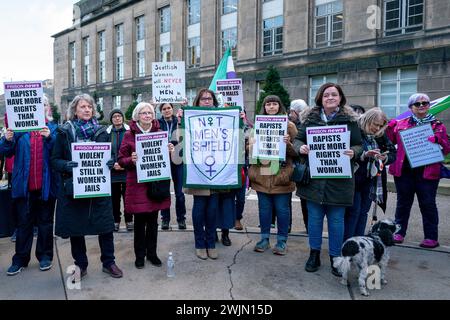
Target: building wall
357	61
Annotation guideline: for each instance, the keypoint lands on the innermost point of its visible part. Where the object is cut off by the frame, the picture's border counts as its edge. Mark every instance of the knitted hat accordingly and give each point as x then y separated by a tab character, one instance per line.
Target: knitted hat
298	105
113	112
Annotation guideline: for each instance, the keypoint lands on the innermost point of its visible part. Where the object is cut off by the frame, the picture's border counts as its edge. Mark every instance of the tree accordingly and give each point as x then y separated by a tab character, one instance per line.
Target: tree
129	112
273	86
55	112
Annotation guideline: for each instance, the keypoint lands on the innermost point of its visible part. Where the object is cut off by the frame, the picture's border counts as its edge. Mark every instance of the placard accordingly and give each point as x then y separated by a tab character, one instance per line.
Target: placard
269	133
92	177
25	105
419	150
326	152
153	161
231	90
168	82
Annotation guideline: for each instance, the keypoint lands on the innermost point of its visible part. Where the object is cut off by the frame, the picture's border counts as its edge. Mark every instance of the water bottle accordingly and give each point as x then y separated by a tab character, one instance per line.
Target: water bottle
170	266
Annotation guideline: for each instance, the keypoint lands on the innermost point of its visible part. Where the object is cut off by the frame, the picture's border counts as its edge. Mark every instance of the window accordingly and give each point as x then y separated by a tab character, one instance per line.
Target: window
119	52
402	16
273	36
316	82
100	103
165	53
140	59
329	24
72	55
229	6
87	52
165	20
101	57
117	102
193	52
395	87
229	39
140	29
119	68
119	35
193	11
190	95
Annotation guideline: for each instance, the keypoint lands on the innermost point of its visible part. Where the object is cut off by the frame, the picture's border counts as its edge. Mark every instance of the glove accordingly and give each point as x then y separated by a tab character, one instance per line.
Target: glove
110	163
432	139
70	165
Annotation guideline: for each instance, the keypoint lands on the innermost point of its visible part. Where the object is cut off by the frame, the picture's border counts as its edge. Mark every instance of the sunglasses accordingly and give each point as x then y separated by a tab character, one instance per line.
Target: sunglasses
423	104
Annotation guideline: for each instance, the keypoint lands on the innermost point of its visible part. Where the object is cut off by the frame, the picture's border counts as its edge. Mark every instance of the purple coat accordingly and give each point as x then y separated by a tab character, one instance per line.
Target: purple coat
136	200
432	171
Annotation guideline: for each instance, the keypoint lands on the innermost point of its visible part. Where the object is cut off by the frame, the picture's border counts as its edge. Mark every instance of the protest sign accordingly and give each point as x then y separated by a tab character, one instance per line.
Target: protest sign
25	105
419	150
168	82
231	90
153	161
326	152
92	177
212	144
269	133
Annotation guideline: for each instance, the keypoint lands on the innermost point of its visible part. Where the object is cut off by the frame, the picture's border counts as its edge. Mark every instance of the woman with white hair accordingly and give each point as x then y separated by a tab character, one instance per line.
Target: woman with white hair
76	218
144	209
423	180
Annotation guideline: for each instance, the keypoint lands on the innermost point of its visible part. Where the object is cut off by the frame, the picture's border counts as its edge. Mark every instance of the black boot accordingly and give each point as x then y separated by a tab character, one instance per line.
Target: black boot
313	263
334	270
225	239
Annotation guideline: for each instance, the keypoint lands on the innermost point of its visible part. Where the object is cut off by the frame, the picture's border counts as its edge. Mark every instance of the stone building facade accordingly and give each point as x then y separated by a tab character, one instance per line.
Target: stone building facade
380	51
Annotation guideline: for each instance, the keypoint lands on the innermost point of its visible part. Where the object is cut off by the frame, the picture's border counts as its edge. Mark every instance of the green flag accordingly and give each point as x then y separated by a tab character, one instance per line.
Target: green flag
221	72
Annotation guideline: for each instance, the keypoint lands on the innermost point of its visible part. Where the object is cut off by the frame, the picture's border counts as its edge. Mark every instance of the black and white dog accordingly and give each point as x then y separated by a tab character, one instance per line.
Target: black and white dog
366	251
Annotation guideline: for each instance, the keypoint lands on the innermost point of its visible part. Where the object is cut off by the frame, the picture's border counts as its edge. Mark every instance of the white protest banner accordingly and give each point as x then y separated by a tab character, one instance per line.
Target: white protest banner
168	82
25	105
153	161
326	152
231	90
269	133
419	150
92	177
212	144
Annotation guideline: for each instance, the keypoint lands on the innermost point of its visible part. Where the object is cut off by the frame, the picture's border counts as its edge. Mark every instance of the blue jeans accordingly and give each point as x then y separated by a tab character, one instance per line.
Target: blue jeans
204	218
266	203
356	216
335	218
180	205
78	247
409	183
33	211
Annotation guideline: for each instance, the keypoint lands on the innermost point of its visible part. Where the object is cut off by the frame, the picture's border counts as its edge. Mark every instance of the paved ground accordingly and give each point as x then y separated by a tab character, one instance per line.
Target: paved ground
239	273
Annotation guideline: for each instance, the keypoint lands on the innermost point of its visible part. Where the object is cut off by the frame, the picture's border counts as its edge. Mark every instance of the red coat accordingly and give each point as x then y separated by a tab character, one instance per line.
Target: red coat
136	200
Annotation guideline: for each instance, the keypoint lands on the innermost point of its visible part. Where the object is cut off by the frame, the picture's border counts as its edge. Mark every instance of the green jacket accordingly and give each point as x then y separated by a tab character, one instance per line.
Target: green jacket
337	192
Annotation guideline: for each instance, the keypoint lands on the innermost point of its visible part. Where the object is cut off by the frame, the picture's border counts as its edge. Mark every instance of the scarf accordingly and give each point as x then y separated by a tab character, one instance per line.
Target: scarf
85	130
330	116
428	118
116	139
374	169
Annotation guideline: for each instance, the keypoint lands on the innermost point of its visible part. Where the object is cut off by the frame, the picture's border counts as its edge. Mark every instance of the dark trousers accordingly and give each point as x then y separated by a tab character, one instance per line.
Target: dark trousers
240	201
145	234
117	193
106	242
409	183
180	205
304	206
29	211
355	219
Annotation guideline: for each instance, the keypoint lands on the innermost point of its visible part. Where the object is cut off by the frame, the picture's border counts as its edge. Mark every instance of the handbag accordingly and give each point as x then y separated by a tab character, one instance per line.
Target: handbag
158	190
445	172
301	172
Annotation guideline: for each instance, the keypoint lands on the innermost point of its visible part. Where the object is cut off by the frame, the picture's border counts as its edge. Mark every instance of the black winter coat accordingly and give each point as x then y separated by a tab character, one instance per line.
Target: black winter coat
78	217
337	192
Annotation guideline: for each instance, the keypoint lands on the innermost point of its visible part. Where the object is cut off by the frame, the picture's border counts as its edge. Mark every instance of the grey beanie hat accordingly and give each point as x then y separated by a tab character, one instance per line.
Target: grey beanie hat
113	112
298	105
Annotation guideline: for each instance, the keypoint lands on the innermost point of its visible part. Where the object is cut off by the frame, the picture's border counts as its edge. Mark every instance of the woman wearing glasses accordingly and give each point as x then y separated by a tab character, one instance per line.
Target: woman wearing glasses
422	181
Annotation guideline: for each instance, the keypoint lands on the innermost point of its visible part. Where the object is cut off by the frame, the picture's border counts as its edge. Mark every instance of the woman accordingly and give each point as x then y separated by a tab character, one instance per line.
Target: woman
370	177
274	189
423	180
328	196
33	191
168	122
76	218
136	200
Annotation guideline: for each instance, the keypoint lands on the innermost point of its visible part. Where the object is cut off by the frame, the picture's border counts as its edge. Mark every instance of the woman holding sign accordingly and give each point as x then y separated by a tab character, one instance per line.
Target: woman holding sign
272	182
421	180
76	218
328	196
137	202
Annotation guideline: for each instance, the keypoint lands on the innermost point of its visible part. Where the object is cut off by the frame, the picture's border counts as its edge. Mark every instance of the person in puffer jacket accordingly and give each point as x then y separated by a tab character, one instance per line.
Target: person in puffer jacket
423	180
32	191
